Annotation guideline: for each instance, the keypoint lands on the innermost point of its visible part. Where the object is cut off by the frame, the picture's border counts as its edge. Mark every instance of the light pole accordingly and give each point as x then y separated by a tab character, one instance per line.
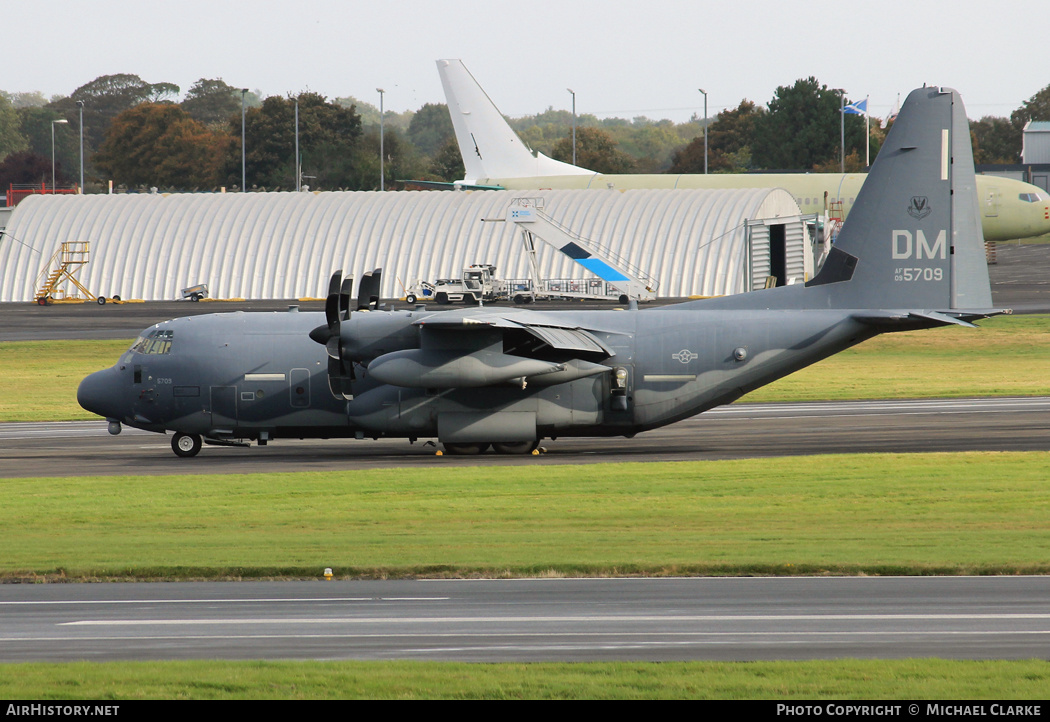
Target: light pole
382	159
705	128
244	187
61	121
298	170
573	93
80	104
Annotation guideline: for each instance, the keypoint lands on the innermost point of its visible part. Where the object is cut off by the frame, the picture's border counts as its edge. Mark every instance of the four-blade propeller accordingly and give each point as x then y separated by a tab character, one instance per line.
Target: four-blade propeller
336	310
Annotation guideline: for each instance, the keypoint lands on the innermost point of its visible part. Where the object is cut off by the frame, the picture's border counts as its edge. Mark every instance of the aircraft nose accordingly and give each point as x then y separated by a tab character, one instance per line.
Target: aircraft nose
98	393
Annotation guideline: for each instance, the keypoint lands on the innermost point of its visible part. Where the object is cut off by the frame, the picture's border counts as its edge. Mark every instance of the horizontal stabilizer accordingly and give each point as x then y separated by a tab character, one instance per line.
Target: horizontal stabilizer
903	320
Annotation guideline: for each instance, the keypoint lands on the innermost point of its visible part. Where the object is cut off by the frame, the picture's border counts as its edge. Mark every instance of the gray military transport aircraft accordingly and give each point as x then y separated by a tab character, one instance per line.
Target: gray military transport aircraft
910	256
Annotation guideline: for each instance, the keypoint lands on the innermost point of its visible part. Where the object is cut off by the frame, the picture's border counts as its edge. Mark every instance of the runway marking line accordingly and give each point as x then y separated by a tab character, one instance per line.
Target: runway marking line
546	619
224	601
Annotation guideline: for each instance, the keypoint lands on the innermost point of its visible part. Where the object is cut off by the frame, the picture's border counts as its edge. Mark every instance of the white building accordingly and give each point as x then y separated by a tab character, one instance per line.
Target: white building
1035	142
286	245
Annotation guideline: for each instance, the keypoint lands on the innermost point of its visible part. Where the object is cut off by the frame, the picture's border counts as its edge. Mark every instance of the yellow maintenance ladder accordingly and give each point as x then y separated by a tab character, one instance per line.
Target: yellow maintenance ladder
64	266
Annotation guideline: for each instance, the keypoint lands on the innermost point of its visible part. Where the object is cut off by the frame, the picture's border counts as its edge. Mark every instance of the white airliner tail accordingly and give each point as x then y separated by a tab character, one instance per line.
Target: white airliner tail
490	148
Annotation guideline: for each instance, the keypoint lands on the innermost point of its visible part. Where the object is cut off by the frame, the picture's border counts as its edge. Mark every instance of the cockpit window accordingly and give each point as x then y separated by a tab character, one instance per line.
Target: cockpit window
1031	197
157	343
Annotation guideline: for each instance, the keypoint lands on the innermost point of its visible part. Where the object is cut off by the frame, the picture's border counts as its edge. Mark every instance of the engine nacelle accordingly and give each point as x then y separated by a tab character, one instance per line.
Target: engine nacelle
416	368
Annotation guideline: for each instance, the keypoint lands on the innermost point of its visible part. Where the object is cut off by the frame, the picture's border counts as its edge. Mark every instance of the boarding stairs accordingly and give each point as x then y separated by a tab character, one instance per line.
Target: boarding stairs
630	280
63	267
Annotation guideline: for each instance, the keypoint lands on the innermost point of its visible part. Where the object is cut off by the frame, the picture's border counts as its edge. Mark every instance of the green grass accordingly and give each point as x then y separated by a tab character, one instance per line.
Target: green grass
1007	356
971	513
908	679
40	378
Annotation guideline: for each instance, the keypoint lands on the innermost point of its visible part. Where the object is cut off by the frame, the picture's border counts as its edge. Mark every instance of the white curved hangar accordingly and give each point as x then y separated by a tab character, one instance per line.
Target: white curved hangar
286	245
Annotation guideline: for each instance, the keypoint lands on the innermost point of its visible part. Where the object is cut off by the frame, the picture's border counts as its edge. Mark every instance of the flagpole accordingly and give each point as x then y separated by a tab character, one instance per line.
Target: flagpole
842	132
867	132
856	109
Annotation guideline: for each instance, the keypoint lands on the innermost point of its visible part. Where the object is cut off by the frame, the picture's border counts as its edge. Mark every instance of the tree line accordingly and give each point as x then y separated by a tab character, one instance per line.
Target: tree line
140	136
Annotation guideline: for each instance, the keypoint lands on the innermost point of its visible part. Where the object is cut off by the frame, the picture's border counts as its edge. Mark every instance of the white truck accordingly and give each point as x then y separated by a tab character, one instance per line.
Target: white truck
478	284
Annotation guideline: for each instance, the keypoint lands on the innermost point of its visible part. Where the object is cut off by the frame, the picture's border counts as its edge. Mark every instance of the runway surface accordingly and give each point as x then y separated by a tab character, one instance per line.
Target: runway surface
738	431
532	620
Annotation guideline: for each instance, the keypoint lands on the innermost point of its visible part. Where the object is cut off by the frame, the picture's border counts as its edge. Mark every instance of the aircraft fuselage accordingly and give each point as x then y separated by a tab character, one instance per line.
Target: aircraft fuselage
259	376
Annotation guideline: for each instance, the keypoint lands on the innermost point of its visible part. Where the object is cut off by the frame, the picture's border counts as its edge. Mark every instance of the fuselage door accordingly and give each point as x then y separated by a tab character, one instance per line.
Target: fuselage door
299	388
224	407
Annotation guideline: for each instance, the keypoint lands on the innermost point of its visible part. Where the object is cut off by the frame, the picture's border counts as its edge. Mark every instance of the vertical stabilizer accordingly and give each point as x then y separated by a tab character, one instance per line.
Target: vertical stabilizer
488	145
913	238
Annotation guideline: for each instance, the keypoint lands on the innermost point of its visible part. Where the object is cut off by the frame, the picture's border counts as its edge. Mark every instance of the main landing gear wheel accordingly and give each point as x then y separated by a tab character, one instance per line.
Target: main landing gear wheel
517	447
465	449
186	445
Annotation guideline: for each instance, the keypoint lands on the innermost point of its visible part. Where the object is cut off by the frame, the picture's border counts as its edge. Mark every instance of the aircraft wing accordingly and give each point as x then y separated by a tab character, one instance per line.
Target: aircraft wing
557	336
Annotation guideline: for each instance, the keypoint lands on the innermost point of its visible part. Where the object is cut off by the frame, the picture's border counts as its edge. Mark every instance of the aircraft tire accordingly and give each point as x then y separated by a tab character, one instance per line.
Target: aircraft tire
410	299
186	445
516	447
465	449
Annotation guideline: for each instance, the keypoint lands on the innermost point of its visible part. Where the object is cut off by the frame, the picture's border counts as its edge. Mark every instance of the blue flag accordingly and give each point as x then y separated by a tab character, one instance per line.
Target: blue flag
858	108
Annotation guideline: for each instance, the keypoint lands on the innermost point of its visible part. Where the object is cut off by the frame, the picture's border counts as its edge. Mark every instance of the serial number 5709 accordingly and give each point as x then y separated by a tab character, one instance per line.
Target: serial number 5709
918	274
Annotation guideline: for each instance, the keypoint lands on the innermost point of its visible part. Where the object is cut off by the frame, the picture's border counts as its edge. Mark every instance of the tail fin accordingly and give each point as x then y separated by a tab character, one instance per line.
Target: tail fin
490	148
913	238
